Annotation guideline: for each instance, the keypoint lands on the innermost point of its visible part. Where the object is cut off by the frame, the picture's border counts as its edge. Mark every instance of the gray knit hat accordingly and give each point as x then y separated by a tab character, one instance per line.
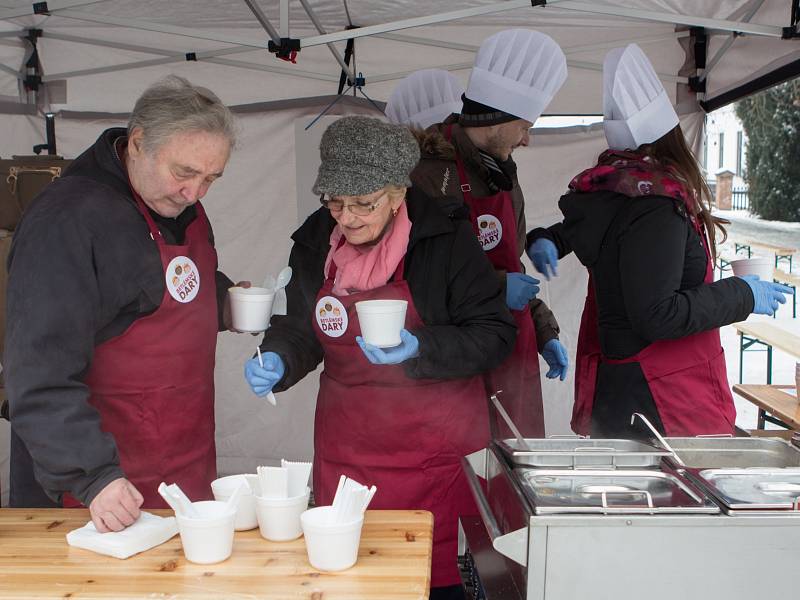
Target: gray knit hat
361	155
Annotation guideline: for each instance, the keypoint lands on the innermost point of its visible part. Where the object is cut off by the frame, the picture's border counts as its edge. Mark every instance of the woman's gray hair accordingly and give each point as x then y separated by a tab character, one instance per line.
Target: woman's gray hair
173	105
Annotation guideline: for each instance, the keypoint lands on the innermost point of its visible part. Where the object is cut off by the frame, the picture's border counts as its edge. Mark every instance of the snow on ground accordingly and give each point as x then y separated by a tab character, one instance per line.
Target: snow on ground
745	227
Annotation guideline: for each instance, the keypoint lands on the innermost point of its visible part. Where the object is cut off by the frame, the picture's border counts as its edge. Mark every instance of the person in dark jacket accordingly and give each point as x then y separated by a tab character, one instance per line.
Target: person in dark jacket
399	418
114	303
640	223
469	156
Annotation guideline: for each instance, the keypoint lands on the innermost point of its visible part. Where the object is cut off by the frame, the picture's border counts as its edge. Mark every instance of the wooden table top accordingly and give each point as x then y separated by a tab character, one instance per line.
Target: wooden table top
35	562
772	335
774	400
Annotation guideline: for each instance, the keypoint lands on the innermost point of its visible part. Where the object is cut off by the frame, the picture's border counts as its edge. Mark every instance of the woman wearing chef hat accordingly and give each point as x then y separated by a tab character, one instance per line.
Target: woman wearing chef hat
399	418
639	220
424	98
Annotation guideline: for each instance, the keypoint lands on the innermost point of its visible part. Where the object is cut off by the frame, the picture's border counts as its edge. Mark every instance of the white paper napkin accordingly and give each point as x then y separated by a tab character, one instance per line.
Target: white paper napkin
147	532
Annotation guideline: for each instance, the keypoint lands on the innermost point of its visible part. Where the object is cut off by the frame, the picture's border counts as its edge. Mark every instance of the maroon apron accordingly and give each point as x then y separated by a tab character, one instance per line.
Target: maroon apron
406	436
687	377
153	385
518	376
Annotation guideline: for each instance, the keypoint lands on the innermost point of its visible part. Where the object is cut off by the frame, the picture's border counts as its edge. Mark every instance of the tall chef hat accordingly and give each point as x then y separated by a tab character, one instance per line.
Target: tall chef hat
636	108
517	71
424	98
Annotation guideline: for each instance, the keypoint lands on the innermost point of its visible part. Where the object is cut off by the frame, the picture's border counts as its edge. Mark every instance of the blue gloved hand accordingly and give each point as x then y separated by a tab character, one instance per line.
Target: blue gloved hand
408	348
767	295
520	289
555	355
263	379
544	256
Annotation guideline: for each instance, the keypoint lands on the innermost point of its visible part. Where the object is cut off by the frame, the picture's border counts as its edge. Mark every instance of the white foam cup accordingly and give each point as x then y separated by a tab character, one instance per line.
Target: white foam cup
209	538
330	546
279	518
251	308
381	321
763	267
223	489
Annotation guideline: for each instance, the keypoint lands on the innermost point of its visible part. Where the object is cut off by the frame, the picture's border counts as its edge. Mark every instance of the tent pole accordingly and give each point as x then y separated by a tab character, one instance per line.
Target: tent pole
264	21
320	29
52	7
728	43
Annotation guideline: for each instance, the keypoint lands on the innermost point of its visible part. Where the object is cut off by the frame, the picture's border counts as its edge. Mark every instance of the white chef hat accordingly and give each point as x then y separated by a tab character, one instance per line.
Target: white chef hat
636	108
517	71
424	98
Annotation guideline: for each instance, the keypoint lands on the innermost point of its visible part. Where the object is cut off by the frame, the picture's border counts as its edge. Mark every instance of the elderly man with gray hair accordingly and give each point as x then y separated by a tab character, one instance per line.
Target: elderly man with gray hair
114	304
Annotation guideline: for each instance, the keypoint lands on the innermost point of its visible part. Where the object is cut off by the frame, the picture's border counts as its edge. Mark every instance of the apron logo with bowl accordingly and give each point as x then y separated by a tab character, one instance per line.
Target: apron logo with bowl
331	316
490	231
183	279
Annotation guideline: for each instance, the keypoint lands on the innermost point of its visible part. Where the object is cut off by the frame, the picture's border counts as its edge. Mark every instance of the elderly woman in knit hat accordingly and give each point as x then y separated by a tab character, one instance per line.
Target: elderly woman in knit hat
399	418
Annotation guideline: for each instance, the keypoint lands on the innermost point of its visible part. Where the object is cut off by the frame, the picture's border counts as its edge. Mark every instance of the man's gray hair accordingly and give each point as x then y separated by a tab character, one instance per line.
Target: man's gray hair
173	105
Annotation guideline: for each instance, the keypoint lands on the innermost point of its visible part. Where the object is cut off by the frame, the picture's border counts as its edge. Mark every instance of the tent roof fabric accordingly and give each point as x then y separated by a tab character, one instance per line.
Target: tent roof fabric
107	51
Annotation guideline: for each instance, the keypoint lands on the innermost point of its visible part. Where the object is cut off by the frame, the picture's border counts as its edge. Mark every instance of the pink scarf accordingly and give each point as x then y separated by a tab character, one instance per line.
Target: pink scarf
362	268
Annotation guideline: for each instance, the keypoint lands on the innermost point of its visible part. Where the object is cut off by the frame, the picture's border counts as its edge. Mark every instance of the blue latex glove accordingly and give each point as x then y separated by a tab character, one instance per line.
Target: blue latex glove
263	379
544	256
520	289
767	295
408	348
555	355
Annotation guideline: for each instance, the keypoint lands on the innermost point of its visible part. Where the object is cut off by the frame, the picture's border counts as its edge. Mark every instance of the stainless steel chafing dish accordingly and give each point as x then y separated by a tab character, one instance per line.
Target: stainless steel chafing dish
581	453
624	529
742	452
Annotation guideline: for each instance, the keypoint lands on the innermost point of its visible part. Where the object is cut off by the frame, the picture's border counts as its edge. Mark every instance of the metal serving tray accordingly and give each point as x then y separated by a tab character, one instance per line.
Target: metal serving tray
611	492
742	491
582	453
738	452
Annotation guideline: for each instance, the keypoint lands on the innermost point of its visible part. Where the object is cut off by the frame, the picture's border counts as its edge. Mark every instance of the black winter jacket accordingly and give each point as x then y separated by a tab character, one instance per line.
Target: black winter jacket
468	329
82	269
648	265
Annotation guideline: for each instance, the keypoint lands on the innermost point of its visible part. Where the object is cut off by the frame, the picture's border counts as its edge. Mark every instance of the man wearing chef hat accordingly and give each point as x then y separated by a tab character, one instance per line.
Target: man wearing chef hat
114	304
516	74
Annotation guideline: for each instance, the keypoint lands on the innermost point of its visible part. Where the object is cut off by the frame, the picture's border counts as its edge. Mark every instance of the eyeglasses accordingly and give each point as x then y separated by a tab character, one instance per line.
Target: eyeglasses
360	208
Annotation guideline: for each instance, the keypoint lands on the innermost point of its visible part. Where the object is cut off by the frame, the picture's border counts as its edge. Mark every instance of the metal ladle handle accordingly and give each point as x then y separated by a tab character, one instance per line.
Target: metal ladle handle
498	405
659	437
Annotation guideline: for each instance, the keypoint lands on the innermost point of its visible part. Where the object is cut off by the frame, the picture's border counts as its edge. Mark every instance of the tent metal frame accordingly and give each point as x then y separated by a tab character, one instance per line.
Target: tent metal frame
240	44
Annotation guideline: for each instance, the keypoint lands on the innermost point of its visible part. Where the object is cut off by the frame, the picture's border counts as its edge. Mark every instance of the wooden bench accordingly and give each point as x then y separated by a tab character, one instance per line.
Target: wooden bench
780	252
790	280
765	334
774	404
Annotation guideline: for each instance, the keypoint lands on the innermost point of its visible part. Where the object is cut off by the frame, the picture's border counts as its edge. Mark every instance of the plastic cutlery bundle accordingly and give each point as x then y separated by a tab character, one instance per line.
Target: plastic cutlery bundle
287	481
351	500
178	501
299	472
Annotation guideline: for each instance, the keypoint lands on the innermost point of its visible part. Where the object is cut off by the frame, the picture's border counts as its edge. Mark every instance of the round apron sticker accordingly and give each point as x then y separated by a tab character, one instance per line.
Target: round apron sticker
331	316
490	231
183	279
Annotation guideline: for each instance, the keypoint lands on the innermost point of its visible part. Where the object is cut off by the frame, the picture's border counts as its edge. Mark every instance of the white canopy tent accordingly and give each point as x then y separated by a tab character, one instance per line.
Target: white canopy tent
92	59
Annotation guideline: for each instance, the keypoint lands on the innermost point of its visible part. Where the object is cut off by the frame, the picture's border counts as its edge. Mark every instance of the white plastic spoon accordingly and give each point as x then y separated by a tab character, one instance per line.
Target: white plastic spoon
284	277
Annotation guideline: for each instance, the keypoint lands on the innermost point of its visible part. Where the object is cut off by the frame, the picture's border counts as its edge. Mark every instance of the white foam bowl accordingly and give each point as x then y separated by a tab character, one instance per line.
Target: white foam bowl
763	267
279	518
209	538
381	321
330	546
223	489
251	308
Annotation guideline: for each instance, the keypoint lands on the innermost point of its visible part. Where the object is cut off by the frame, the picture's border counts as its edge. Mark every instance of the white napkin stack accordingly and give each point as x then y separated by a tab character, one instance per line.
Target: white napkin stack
147	532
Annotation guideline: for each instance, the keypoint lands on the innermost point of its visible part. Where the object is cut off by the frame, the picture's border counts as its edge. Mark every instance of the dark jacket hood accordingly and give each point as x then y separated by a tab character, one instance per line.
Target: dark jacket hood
427	220
587	219
101	164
